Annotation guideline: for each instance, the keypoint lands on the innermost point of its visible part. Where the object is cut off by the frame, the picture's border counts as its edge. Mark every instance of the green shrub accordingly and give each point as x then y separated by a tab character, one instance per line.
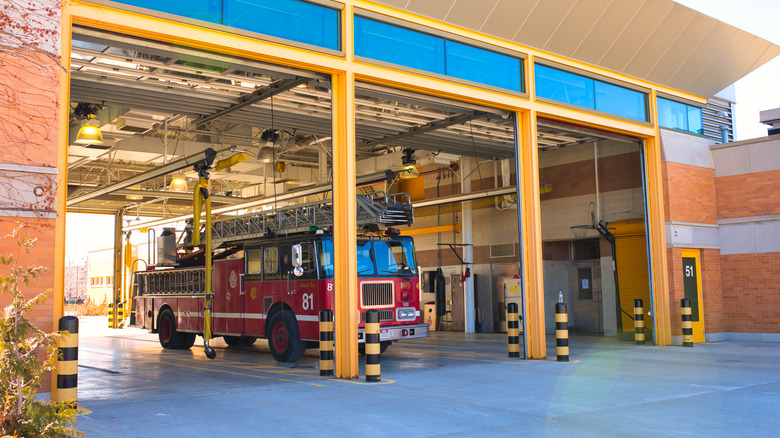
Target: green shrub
26	355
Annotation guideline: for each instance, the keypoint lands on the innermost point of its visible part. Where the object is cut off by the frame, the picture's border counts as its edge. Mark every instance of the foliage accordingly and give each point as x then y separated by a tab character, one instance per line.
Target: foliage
89	307
26	355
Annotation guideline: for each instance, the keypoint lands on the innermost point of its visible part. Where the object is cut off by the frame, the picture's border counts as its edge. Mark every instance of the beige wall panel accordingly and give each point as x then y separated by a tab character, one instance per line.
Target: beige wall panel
400	4
741	50
471	14
708	50
436	9
688	40
659	41
507	17
604	33
544	20
635	34
575	26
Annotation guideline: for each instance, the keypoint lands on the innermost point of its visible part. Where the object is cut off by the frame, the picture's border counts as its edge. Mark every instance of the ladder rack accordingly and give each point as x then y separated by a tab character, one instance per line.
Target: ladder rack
372	208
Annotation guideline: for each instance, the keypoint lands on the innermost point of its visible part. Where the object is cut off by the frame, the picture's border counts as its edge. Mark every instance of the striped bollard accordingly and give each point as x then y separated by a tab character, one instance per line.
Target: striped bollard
639	323
68	360
120	314
372	346
513	329
110	315
326	342
561	332
687	323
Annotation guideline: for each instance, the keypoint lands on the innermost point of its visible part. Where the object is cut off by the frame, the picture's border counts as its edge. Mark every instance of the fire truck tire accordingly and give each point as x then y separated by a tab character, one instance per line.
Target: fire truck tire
170	339
284	338
383	346
239	341
187	340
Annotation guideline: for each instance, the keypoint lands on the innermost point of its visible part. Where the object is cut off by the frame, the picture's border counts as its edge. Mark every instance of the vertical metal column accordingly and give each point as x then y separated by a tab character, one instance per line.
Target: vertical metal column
468	250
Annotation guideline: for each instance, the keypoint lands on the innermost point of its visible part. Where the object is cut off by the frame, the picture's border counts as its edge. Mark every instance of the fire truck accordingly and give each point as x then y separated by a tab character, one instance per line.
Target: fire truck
273	274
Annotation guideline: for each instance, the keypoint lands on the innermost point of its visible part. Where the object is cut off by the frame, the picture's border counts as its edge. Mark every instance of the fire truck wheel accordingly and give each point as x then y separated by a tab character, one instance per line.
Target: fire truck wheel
284	339
187	340
166	326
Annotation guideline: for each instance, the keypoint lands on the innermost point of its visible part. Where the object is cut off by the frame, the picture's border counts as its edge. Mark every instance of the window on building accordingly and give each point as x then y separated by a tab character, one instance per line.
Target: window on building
582	91
408	48
677	115
109	280
293	20
95	281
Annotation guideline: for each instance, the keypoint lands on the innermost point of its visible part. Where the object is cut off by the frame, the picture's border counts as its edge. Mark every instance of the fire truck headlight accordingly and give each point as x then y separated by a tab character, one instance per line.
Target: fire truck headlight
405	314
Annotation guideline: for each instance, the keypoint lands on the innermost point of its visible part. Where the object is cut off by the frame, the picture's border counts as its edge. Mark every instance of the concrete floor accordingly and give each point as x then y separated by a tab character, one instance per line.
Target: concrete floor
447	384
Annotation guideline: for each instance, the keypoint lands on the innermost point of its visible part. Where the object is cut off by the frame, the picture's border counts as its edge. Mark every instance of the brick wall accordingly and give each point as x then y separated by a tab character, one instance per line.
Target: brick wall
689	194
751	194
751	297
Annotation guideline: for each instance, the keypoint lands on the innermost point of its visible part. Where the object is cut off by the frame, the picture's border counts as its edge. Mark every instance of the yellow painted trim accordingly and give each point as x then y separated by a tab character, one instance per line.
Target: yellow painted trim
117	289
344	217
698	326
532	235
63	119
657	238
429	230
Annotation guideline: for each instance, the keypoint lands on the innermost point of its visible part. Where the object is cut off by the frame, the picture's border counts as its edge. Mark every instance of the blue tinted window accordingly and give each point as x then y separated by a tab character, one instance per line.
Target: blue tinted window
288	19
292	20
564	87
620	101
677	115
589	93
396	45
483	66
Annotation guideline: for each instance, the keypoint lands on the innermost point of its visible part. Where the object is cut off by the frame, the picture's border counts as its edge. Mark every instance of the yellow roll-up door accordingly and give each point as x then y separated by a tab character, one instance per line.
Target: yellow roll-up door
631	262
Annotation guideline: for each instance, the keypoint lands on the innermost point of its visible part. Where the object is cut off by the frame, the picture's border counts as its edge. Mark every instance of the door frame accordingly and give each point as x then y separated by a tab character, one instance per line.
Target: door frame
698	326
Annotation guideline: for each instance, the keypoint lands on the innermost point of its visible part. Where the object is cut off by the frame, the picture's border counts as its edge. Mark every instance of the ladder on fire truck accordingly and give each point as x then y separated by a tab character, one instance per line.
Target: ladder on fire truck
372	208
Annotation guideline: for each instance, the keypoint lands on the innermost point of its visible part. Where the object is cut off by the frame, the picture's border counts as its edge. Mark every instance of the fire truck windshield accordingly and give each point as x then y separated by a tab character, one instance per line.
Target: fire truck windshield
375	257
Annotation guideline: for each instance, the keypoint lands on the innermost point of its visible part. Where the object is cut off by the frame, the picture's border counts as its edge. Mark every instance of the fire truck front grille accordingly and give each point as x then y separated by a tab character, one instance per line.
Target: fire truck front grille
384	315
378	294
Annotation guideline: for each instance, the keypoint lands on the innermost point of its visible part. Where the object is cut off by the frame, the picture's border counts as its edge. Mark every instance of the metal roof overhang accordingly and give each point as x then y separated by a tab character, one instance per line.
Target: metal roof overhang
660	41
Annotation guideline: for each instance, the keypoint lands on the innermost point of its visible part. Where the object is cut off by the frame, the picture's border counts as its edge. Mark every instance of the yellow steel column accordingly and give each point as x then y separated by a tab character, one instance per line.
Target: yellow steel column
118	266
344	242
532	236
657	247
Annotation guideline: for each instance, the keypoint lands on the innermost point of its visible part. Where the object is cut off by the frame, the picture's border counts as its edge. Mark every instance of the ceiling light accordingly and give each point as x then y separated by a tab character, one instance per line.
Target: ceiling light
178	184
266	154
89	135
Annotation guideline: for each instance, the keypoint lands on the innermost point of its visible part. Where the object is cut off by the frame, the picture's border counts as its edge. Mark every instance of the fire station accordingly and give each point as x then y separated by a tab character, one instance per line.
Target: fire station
533	151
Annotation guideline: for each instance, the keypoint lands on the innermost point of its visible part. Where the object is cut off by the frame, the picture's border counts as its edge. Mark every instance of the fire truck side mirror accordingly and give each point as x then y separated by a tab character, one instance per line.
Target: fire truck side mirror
297	255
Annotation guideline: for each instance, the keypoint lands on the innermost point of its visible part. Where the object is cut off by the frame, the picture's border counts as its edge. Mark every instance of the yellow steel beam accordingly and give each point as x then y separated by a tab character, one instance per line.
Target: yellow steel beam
344	216
429	230
116	296
656	226
532	236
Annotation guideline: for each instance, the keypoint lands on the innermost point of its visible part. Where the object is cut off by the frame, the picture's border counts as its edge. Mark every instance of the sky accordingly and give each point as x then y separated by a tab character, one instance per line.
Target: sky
757	91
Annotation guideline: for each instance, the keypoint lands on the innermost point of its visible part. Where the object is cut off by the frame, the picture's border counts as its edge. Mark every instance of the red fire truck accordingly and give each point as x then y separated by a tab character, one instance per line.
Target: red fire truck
260	293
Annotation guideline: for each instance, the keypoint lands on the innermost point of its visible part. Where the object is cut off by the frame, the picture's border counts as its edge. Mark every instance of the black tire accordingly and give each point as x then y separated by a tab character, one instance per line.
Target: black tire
284	338
383	346
187	340
239	341
170	339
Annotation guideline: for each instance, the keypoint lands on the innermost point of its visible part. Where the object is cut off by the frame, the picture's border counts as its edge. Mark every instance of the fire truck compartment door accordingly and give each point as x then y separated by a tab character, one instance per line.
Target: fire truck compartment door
228	297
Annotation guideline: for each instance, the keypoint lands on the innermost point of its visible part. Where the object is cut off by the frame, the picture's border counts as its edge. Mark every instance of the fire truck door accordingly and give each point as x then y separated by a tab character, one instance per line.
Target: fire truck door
228	297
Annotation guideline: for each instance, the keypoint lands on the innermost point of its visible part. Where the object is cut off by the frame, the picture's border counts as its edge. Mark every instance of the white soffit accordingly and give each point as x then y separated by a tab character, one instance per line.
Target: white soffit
659	41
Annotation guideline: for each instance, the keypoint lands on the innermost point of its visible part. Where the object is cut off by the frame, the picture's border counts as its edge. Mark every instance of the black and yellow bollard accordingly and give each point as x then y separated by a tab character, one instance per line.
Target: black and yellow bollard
326	342
639	323
110	315
687	323
372	346
120	314
561	332
513	330
67	360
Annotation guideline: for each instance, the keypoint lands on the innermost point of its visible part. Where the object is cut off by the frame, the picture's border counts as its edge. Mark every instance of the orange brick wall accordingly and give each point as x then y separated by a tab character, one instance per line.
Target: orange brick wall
689	194
751	297
752	194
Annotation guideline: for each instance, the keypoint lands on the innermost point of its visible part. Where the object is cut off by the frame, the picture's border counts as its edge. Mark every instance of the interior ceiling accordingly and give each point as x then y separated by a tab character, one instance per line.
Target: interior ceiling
162	102
660	41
